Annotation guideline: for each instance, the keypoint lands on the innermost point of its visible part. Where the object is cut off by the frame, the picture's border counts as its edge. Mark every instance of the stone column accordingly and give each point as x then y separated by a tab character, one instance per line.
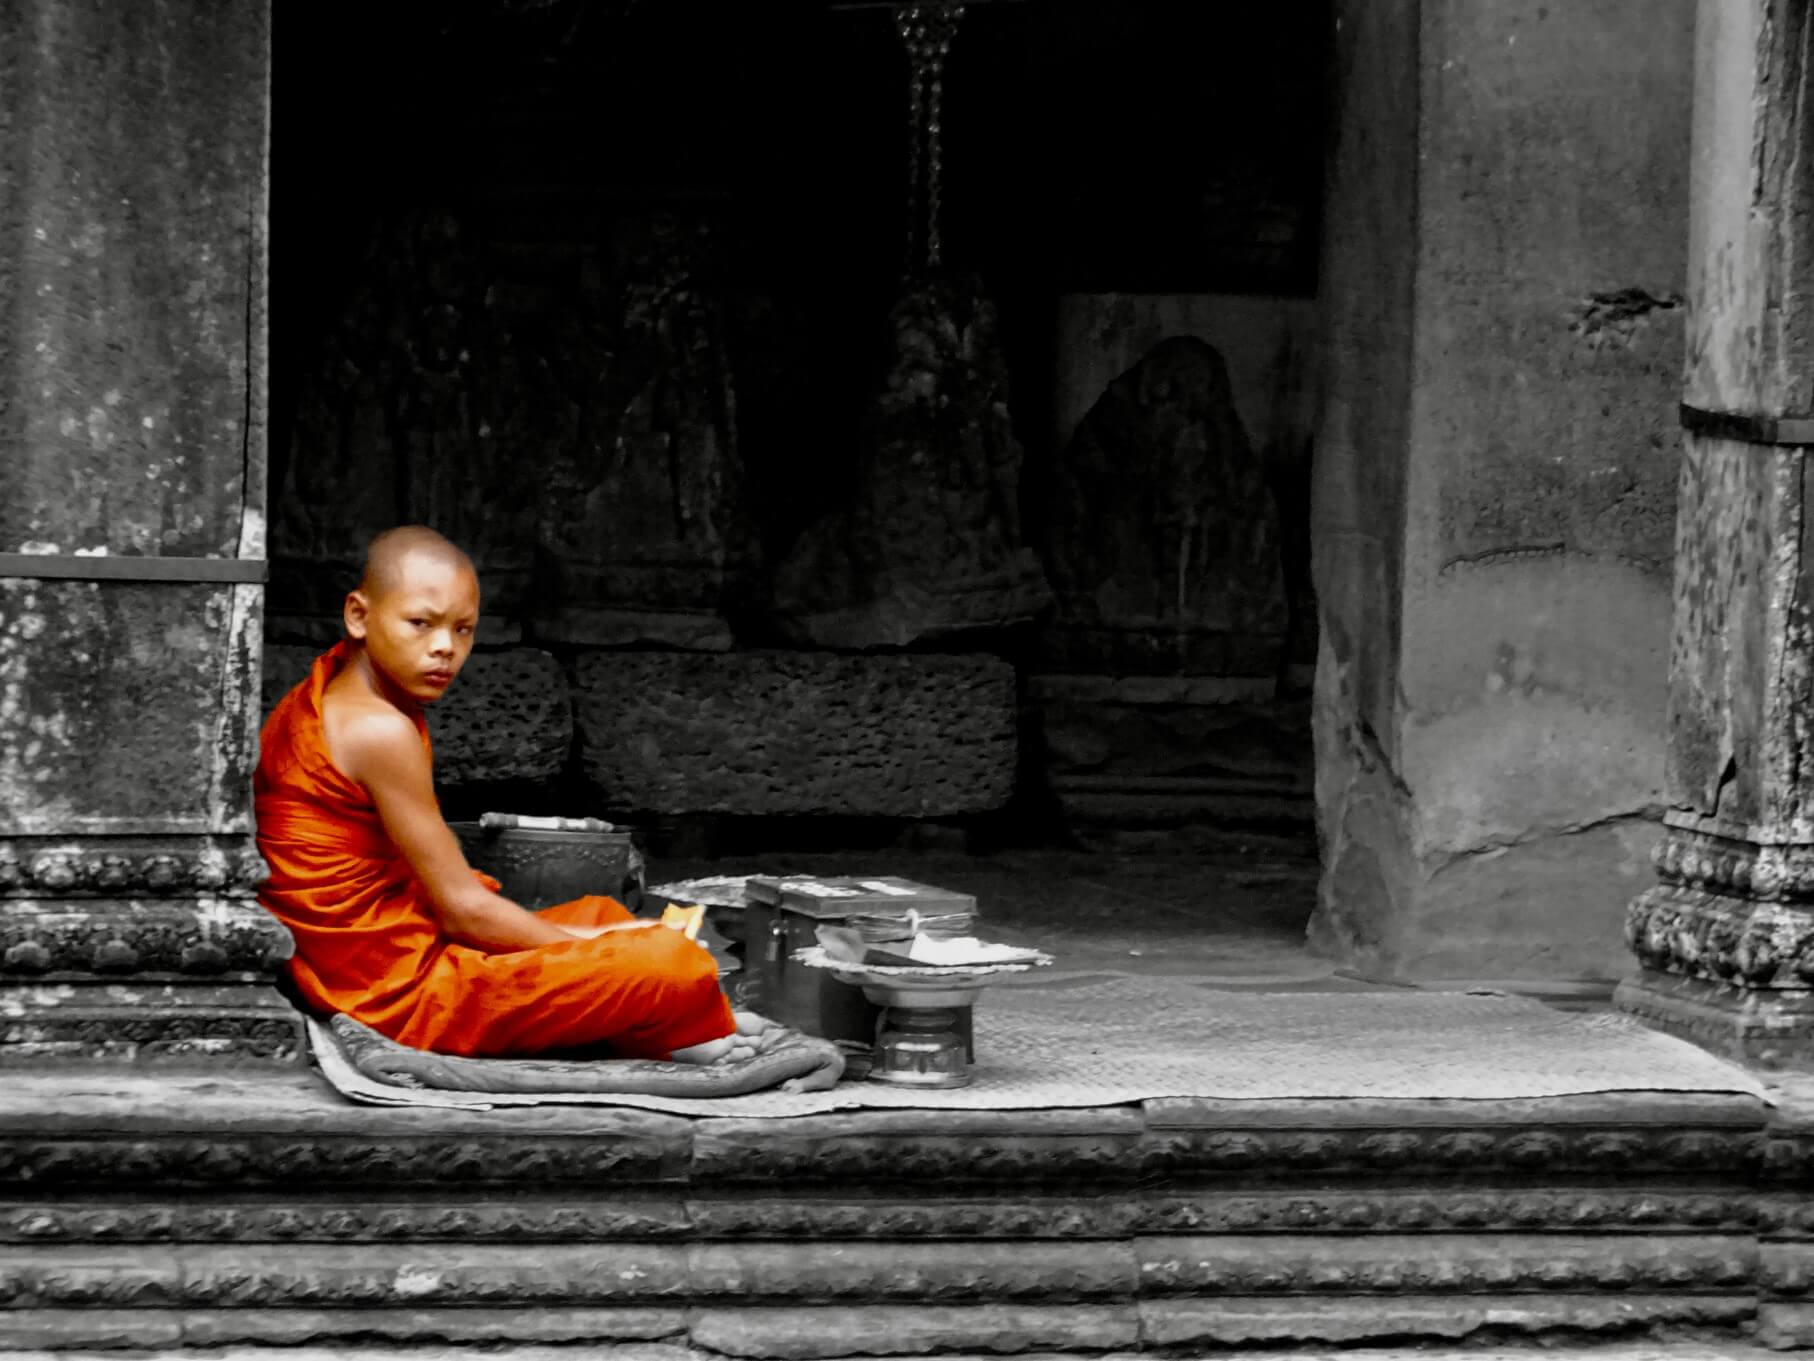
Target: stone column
1502	291
133	146
1726	939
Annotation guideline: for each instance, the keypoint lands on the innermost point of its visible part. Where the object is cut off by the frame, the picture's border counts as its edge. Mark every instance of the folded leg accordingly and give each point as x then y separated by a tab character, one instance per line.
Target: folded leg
644	993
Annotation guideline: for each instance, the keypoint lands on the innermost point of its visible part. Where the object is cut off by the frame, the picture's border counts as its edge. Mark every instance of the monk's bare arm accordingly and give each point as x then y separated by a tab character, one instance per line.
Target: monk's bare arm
383	751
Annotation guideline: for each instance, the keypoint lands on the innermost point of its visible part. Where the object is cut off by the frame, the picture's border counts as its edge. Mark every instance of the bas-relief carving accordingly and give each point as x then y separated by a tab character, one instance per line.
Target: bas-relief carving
795	732
932	545
1163	536
431	396
872	1273
642	522
411	412
1234	1215
59	867
881	1215
812	1153
113	939
1727	938
266	1032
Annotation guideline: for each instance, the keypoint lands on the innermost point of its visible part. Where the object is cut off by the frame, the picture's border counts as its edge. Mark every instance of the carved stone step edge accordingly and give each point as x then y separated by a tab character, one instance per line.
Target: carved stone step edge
835	1331
129	866
113	938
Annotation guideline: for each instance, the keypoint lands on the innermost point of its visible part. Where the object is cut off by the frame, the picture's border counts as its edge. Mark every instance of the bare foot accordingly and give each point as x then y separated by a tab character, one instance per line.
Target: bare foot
749	1023
712	1051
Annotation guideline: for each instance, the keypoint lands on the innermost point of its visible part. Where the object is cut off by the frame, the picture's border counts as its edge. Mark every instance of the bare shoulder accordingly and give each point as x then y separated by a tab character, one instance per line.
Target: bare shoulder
368	737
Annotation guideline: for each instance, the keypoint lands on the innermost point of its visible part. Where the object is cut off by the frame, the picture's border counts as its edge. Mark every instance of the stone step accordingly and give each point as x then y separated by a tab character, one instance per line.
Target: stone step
210	1210
1682	1349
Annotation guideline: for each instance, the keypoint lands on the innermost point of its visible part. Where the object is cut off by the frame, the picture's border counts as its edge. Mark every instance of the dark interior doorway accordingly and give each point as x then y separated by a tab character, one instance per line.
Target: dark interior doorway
1092	147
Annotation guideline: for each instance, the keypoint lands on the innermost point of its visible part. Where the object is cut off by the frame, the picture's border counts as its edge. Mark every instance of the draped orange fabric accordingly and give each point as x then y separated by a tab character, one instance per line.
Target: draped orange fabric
368	944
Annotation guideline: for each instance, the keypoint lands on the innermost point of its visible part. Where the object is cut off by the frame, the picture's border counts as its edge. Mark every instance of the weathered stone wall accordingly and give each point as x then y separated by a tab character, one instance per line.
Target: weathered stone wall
132	275
507	718
1499	443
790	732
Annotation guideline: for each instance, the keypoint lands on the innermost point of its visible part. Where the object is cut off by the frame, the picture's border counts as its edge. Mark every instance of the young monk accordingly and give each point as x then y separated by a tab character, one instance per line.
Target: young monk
391	925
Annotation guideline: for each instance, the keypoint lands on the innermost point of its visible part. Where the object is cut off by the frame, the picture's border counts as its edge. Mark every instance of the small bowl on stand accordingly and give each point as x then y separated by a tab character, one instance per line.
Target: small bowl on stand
919	1040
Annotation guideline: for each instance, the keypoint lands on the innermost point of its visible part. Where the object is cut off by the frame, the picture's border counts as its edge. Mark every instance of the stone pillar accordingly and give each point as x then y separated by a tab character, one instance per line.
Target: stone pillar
132	288
1502	287
1726	939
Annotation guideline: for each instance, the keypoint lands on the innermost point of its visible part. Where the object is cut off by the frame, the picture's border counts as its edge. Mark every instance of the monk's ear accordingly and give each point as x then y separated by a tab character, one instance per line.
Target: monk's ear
354	613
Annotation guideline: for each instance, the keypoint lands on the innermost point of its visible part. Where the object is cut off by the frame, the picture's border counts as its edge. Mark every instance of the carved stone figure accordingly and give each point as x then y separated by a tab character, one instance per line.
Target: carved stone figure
932	544
1163	542
416	411
643	525
587	459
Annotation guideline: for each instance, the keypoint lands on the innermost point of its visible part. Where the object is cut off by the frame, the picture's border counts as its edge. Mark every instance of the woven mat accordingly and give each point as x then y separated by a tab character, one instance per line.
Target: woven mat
1134	1039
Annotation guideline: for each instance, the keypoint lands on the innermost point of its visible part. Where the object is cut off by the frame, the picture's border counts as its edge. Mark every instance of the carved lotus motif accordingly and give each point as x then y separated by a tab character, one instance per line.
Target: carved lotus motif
28	956
1235	1150
55	870
203	957
112	873
1470	1212
161	871
115	956
1463	1146
1393	1149
1533	1149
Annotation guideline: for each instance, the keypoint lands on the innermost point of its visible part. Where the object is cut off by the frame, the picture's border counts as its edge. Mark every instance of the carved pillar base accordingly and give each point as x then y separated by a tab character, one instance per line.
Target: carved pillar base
1760	1029
1726	942
237	1024
142	950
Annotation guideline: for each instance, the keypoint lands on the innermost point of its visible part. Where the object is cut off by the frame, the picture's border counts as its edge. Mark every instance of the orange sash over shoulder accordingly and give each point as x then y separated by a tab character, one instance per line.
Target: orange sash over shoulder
368	944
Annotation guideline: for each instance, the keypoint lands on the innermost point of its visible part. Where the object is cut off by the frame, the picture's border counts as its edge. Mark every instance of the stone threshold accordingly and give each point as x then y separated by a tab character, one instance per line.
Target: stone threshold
256	1208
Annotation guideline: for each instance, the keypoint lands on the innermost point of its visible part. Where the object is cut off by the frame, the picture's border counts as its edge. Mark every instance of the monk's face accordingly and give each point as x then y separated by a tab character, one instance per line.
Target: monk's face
417	630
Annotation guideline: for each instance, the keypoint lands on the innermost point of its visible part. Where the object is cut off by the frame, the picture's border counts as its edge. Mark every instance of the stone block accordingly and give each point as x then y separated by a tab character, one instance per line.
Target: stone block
1099	1146
853	1215
910	1330
507	717
1468	1264
924	1273
790	733
1237	1322
123	707
365	1325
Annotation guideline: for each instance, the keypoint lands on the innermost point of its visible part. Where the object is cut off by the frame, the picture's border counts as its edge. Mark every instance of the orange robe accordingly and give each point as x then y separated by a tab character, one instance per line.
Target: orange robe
368	944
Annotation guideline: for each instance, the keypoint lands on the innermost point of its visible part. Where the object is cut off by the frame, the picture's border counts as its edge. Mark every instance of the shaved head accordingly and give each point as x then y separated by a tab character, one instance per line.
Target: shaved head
385	555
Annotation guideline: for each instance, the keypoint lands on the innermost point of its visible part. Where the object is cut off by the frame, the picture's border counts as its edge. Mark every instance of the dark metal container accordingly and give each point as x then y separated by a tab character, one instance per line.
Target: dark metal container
784	916
539	868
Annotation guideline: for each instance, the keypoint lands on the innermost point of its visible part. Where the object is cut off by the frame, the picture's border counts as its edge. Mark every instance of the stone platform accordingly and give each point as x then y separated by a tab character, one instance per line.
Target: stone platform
200	1210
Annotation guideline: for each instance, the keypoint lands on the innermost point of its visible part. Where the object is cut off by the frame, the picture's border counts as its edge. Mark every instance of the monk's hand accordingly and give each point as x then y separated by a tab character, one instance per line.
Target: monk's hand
593	932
